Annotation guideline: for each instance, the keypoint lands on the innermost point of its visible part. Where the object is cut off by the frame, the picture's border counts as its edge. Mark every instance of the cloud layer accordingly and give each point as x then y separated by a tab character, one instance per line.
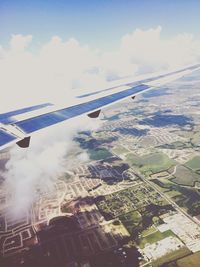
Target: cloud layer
60	69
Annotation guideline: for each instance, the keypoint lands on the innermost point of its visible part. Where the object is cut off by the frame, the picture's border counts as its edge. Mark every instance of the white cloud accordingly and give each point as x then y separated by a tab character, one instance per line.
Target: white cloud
33	171
18	42
151	52
61	69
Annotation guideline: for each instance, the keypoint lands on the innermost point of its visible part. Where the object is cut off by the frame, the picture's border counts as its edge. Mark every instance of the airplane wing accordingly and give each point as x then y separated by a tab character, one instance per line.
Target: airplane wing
17	126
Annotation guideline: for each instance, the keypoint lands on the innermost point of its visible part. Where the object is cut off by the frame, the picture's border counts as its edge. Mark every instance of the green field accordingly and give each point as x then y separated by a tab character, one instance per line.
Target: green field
131	220
194	163
152	229
185	176
185	197
172	256
173	193
119	150
156	162
99	153
154	237
190	261
166	181
166	186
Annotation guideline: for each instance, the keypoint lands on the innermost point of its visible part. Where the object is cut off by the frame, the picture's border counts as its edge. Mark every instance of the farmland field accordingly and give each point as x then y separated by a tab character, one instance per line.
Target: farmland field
156	162
185	176
194	163
190	261
154	237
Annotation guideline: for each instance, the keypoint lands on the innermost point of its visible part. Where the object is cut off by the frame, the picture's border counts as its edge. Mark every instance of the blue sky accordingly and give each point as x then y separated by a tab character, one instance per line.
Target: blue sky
98	23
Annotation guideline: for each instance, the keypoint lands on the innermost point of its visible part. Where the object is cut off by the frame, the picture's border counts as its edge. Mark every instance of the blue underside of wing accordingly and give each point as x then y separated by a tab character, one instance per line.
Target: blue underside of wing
45	120
5	138
6	118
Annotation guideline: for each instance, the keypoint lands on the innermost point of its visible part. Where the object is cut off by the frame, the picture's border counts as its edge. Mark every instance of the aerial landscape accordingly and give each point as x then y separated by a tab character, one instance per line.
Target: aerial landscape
99	133
135	200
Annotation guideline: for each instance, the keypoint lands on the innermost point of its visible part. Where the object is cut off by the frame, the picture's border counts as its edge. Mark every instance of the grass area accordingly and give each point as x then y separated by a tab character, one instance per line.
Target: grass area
185	197
194	163
160	187
120	150
99	153
172	193
172	256
166	181
152	229
134	216
156	162
185	176
130	220
190	261
134	160
154	237
117	228
166	186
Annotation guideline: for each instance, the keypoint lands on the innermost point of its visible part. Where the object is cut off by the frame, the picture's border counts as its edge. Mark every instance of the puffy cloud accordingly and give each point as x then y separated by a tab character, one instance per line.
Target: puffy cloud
33	171
18	42
151	52
61	69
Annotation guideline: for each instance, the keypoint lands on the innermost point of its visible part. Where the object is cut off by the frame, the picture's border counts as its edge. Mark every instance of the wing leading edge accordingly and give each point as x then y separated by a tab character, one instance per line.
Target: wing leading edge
17	126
